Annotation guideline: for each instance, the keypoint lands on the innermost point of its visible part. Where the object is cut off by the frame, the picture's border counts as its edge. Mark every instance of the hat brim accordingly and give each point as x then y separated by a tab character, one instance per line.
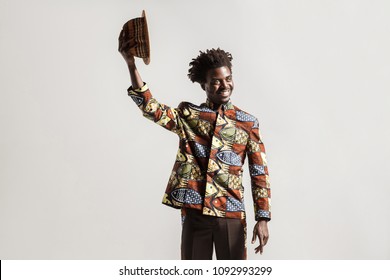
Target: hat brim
146	34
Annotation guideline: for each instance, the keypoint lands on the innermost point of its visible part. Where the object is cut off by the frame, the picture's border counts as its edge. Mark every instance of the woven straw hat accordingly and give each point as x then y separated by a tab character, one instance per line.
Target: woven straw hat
136	31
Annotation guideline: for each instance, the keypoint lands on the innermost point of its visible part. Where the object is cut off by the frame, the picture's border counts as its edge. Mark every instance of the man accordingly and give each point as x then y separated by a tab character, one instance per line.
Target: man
206	180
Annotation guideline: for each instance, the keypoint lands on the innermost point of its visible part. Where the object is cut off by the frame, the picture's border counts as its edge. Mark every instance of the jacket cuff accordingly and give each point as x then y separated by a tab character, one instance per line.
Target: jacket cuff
262	215
142	89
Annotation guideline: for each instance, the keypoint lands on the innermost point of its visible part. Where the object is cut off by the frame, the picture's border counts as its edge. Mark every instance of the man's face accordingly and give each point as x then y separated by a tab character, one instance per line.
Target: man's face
219	85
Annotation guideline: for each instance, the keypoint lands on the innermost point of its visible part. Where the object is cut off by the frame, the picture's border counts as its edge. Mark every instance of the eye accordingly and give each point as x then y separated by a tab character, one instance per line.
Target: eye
215	82
229	78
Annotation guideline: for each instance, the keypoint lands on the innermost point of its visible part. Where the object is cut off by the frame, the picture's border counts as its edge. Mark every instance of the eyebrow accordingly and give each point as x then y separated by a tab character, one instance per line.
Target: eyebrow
215	78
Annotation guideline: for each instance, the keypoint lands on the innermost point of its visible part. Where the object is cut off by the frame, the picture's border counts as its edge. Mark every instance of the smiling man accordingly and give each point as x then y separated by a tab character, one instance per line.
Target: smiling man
206	179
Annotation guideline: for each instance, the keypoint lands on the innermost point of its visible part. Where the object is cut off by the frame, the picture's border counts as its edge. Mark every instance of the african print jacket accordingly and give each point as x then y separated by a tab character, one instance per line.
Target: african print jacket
207	174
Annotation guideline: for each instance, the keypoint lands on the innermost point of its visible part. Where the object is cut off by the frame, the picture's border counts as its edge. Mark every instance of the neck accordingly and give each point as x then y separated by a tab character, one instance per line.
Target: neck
215	106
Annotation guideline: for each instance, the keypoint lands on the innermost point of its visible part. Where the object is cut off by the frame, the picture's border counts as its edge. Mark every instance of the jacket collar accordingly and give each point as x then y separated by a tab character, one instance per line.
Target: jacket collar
226	106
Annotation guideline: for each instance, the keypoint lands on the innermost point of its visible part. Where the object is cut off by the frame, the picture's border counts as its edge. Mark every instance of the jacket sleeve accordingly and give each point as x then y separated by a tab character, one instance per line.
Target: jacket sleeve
159	113
258	170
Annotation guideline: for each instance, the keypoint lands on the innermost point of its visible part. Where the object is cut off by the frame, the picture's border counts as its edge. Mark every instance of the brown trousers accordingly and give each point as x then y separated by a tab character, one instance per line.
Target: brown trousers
201	232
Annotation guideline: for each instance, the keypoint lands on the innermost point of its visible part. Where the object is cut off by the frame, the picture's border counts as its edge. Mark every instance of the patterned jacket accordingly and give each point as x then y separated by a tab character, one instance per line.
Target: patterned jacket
207	173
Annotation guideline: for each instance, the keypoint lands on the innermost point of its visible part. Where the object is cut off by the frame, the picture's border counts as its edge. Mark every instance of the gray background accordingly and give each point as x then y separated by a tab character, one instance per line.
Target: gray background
82	173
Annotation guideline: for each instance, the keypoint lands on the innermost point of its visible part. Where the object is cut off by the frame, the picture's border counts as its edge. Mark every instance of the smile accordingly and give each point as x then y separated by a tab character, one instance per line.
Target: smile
224	93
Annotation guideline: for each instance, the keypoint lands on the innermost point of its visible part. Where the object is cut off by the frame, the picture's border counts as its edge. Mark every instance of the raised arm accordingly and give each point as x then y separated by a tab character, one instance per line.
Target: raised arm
161	114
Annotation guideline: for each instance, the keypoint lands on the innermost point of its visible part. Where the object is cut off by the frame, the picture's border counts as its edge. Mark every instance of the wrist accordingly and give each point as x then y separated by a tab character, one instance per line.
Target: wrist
131	65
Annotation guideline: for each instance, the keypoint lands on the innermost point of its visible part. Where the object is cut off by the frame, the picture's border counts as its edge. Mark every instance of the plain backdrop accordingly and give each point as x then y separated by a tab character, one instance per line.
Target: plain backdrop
82	173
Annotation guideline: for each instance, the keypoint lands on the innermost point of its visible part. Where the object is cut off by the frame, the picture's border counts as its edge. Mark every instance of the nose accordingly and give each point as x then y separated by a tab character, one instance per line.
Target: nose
224	84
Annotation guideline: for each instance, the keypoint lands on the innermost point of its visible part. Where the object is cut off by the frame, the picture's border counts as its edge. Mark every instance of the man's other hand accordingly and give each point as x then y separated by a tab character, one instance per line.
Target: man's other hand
260	231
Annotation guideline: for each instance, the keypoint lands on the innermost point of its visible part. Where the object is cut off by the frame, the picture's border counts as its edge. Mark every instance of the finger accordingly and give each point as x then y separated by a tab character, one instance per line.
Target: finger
124	46
120	41
261	240
259	249
266	240
126	30
121	37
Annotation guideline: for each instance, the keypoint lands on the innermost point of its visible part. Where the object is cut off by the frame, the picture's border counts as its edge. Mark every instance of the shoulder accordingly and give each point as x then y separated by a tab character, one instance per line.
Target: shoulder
243	116
188	106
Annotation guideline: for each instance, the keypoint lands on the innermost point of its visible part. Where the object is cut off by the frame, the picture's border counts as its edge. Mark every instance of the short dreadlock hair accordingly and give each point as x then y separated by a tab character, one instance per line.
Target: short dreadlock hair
207	60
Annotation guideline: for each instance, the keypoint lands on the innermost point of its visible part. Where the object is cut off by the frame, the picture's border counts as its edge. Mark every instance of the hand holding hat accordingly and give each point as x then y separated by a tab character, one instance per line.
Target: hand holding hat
134	40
